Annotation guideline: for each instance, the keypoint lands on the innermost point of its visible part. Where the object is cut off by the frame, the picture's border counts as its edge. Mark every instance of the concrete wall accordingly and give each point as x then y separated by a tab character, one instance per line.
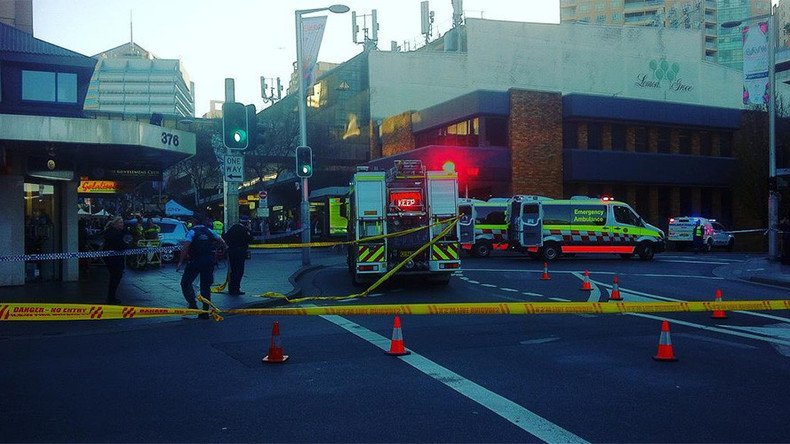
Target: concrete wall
69	229
13	221
608	60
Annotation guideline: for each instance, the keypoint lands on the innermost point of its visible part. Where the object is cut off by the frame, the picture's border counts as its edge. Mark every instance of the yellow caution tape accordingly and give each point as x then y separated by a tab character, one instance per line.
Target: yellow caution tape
78	312
221	287
75	312
366	239
520	308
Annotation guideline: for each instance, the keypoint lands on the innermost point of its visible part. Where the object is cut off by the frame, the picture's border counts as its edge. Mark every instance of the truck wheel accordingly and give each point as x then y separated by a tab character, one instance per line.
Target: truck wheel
730	245
481	249
550	251
646	251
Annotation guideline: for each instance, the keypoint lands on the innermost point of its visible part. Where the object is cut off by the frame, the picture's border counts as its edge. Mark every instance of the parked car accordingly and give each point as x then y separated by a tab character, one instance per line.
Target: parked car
721	237
714	234
172	233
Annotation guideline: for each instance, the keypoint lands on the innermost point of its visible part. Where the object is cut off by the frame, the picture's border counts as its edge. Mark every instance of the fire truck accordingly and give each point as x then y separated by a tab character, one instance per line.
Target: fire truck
402	199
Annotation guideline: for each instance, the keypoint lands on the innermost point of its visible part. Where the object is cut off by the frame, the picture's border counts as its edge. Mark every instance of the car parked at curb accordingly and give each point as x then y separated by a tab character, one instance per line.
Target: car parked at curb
172	234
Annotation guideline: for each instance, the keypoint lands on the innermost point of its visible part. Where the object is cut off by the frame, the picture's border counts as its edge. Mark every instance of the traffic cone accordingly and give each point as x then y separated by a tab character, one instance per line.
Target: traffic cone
275	355
586	284
718	314
615	296
545	276
396	345
665	352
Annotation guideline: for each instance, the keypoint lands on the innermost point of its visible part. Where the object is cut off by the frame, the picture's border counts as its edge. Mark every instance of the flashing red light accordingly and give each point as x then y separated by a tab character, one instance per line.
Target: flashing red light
406	200
448	167
607	198
472	171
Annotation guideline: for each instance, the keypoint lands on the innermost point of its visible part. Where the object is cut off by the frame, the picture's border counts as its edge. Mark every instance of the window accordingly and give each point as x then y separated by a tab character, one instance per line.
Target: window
618	138
556	215
42	86
490	216
664	140
725	145
588	215
684	141
570	135
705	144
496	131
624	215
594	136
640	139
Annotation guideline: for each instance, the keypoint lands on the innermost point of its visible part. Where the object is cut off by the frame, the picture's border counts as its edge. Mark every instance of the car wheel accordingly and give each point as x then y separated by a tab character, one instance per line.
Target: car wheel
168	256
550	251
731	245
481	249
646	251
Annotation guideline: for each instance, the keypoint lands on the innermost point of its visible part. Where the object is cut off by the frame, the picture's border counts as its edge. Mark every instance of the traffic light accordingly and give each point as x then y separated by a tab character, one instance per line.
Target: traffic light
304	161
235	134
252	126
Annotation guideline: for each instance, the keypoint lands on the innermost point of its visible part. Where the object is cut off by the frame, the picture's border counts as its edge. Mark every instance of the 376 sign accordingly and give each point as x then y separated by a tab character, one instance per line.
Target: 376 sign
169	139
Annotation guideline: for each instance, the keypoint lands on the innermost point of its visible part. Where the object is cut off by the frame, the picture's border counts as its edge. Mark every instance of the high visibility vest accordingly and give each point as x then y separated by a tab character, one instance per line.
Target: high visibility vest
698	230
218	226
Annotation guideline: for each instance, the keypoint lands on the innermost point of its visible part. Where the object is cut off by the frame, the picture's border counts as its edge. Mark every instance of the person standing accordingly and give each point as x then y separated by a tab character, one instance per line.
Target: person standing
784	229
698	237
199	247
238	239
116	238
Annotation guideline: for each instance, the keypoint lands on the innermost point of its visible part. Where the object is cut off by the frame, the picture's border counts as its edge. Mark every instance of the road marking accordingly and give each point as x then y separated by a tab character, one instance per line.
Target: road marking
473	282
560	299
692	262
611	273
519	416
595	293
508	289
489	285
539	341
464	278
526	293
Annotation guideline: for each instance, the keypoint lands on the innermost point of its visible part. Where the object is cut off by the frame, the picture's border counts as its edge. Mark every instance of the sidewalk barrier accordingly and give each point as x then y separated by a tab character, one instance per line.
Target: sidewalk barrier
665	351
275	355
73	312
718	314
397	348
86	254
586	286
615	296
545	276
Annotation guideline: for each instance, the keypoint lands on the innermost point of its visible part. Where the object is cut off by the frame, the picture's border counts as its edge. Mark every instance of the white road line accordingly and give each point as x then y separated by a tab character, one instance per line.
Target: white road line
692	262
519	416
560	299
526	293
473	282
508	289
714	329
464	278
489	285
611	273
595	293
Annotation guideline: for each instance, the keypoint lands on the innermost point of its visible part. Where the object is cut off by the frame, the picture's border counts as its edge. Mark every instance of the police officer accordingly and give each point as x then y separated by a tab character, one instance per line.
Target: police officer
199	247
238	238
698	230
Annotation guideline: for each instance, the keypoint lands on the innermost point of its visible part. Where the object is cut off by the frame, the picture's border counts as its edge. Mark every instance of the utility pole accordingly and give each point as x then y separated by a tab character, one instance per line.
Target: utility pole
230	190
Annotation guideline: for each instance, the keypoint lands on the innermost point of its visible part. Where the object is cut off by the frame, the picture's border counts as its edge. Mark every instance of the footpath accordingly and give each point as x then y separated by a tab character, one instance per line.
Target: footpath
759	270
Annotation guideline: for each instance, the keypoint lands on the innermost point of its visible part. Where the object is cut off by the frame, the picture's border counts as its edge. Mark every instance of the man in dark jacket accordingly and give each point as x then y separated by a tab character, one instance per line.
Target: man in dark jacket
199	247
238	238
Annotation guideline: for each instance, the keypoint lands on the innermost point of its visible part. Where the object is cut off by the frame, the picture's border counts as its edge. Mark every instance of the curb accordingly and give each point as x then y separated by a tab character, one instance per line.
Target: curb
296	291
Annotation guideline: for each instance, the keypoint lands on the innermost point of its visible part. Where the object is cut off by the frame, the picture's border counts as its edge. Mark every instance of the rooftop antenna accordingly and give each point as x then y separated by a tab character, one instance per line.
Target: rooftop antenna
131	32
426	21
370	34
458	12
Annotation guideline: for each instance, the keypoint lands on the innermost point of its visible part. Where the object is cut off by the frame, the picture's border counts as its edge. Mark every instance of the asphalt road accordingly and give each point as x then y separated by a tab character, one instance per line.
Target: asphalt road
554	378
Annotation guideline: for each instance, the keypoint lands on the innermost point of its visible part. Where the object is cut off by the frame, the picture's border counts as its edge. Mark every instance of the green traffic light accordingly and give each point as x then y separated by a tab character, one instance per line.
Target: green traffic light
239	136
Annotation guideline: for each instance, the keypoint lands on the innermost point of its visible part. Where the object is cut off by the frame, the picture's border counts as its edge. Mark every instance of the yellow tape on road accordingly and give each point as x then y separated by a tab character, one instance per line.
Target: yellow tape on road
520	308
85	312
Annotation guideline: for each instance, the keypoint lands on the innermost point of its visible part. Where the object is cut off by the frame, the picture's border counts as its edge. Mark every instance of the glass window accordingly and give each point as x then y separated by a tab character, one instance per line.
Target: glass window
618	138
490	216
725	145
640	139
705	144
588	215
570	135
67	87
594	136
624	215
556	215
684	141
664	140
38	85
496	131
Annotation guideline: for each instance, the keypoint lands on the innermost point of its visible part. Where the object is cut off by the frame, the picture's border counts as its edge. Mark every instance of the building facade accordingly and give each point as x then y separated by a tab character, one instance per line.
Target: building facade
130	81
17	13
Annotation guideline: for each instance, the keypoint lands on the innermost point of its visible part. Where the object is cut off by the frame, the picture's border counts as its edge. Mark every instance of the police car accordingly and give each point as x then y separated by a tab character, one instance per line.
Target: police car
681	233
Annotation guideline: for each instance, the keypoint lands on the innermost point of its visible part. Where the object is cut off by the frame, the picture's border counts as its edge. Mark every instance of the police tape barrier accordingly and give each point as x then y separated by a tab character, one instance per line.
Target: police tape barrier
381	280
78	312
366	239
86	254
519	308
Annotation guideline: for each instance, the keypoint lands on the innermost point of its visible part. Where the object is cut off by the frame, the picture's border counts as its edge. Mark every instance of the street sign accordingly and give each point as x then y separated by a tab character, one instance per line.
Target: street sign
262	194
234	168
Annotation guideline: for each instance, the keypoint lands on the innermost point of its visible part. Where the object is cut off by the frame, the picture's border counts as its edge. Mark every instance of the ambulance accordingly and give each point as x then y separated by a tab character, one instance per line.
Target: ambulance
488	222
405	198
548	228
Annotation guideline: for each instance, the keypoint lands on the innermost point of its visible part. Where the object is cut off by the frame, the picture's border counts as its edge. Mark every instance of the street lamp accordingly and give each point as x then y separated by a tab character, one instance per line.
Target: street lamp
773	200
337	9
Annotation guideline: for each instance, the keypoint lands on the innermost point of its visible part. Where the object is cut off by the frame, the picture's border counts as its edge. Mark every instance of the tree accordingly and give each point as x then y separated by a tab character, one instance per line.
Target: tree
276	138
200	174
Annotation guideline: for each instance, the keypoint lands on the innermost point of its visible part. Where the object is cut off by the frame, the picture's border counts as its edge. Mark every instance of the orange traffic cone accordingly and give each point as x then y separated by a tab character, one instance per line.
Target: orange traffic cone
665	352
275	355
718	314
586	284
615	296
545	276
396	345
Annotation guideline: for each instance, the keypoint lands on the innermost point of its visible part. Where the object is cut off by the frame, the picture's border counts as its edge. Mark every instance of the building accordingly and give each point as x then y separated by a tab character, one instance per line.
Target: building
49	152
720	45
17	13
130	81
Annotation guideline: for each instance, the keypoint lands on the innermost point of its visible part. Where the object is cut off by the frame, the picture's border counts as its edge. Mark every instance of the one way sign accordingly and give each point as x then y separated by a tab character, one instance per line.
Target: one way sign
234	168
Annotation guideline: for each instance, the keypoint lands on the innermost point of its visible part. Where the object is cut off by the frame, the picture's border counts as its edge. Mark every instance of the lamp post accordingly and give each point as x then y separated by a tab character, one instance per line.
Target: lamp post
773	200
305	210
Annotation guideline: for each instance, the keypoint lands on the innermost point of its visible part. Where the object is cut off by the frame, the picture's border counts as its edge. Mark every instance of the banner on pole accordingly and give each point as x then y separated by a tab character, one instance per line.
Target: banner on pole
755	64
312	34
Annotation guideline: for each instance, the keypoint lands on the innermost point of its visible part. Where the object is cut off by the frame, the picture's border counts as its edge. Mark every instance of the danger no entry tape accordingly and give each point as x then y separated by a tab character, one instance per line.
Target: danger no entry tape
74	312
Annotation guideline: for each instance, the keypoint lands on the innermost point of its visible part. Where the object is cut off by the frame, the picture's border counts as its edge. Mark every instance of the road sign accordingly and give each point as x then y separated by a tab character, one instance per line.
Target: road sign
263	194
234	168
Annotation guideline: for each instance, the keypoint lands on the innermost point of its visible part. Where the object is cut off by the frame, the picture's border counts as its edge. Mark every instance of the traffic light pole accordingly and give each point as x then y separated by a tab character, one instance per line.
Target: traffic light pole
230	190
305	207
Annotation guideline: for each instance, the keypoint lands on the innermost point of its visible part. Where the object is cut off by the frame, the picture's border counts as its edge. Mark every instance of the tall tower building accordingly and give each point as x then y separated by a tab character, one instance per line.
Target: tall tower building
704	15
132	81
17	13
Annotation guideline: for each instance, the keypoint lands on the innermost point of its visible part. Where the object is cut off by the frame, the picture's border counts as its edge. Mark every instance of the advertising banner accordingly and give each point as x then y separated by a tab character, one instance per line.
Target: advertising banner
312	34
755	64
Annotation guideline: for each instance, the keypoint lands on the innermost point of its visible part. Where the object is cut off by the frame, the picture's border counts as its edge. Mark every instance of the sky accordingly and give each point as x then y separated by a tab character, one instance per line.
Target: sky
247	39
